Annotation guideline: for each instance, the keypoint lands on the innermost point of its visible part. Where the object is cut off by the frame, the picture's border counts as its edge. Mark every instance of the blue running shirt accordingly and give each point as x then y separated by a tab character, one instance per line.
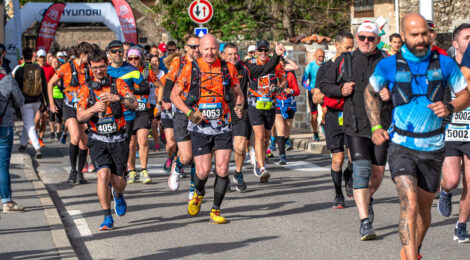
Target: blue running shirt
310	74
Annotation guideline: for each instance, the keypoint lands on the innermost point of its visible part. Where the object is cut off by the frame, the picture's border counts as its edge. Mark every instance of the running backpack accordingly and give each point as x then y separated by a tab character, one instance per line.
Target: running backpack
170	83
32	83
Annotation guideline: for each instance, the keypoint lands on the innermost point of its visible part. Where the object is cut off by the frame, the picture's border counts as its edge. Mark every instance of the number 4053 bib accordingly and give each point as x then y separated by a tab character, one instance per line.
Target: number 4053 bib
211	110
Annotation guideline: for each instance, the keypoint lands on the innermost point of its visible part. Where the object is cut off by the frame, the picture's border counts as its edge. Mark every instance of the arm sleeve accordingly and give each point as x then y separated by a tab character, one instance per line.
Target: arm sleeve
261	70
19	77
320	73
328	84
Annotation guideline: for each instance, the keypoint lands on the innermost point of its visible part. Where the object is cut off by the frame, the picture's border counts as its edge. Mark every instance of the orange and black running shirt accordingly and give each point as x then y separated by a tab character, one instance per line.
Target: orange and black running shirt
265	82
211	101
71	92
108	125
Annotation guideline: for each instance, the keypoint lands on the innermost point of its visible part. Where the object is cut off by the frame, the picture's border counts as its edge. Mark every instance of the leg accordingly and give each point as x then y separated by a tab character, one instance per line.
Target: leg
102	187
154	128
6	145
132	153
451	169
239	144
185	152
28	112
170	142
222	158
260	149
288	128
142	140
425	200
464	210
281	130
336	171
314	122
118	182
376	178
74	130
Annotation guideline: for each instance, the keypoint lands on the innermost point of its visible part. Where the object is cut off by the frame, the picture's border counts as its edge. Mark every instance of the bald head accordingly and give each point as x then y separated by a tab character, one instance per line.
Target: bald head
319	56
415	34
209	48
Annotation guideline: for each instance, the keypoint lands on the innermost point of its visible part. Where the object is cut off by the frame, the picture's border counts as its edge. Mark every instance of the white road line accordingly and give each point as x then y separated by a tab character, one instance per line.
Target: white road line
80	223
305	167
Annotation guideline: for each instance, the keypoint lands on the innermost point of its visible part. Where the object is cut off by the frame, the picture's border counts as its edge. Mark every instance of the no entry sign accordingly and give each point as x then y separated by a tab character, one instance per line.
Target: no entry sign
200	11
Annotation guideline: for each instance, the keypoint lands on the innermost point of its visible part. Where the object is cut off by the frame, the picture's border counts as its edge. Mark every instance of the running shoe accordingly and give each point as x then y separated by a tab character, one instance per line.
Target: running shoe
12	207
131	176
38	154
252	157
63	138
120	205
195	204
371	210
156	147
72	177
367	231
41	143
322	128
240	184
264	175
444	204
107	223
22	148
52	136
338	202
272	146
85	167
316	138
192	189
91	168
57	136
81	178
269	154
289	145
182	174
282	160
216	218
167	165
247	158
173	180
144	177
460	234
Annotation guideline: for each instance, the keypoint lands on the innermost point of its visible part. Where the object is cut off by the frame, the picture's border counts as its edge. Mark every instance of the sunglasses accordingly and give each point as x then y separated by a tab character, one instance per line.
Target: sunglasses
263	50
369	38
171	50
193	46
116	51
133	58
251	52
96	68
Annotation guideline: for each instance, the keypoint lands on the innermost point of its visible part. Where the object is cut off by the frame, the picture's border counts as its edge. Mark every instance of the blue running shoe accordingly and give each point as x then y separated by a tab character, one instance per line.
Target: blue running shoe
460	234
316	138
107	223
289	145
283	160
444	204
120	205
63	138
272	146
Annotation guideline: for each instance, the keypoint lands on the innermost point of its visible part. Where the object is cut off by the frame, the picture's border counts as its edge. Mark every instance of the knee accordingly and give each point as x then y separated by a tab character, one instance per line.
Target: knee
186	158
362	173
74	139
222	169
143	140
104	175
337	163
451	182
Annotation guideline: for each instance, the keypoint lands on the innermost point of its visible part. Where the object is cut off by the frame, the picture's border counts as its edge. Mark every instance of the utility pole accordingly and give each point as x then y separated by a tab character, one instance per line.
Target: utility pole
2	21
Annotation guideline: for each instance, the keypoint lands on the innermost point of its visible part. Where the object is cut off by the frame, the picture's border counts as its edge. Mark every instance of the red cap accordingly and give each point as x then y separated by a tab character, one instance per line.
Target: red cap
162	47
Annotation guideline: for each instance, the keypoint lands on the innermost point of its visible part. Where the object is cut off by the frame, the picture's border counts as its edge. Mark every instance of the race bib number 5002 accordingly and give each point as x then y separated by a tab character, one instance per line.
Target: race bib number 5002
462	117
457	133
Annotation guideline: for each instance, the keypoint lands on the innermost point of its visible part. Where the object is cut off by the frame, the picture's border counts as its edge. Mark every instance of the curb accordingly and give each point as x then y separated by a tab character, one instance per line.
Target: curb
310	146
59	236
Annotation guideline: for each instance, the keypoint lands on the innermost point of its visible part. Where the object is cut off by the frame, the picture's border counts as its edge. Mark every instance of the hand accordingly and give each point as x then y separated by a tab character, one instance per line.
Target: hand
109	97
99	106
279	49
53	108
238	111
380	136
317	96
166	106
348	88
196	117
385	94
439	109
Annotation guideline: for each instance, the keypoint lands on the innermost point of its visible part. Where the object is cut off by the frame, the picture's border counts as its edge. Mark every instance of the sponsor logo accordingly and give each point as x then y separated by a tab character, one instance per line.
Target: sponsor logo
75	12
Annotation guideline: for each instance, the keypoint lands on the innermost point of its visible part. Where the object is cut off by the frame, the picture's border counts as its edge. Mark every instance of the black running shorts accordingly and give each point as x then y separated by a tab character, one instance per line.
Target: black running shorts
363	148
68	112
142	121
109	155
57	117
205	144
242	128
457	149
261	117
290	113
180	123
334	133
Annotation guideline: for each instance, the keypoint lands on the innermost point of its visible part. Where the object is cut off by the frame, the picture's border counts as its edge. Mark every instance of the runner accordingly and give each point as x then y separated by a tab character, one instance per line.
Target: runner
55	119
101	104
334	102
141	124
457	152
74	74
206	84
41	118
241	130
261	110
308	82
395	43
180	120
368	159
415	154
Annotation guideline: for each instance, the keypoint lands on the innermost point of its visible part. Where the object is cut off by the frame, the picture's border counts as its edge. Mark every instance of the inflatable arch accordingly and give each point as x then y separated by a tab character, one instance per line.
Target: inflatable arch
73	13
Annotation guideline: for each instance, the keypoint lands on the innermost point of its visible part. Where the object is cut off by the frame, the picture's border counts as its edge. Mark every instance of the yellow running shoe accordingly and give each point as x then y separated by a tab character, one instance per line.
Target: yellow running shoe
216	218
195	204
131	176
144	177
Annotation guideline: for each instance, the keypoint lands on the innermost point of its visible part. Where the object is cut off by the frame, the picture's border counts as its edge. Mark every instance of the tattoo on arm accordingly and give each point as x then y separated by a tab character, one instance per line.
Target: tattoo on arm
405	185
129	98
372	104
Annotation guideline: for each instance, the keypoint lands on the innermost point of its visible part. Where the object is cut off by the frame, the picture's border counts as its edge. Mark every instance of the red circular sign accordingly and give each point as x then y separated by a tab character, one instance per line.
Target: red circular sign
200	11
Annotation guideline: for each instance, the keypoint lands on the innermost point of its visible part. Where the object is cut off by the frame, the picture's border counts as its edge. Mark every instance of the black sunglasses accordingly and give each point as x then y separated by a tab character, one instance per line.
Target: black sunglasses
133	58
171	50
263	50
369	38
193	46
116	51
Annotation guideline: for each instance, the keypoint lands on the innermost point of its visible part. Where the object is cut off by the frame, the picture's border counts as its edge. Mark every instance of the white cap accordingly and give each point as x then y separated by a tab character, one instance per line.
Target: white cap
41	52
368	27
251	48
61	54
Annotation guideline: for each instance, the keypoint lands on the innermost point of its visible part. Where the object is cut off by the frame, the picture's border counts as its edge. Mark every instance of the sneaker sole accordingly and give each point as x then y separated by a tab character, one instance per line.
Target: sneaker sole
218	222
13	211
147	181
338	207
369	237
456	238
105	228
264	178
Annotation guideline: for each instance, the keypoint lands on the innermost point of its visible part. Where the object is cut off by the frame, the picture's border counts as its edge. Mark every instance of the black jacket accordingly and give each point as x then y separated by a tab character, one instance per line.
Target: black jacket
356	122
41	98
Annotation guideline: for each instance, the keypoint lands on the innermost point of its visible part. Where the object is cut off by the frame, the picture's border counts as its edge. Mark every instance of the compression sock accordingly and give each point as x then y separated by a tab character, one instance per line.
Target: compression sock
220	188
336	176
281	143
73	153
193	171
179	164
200	185
107	212
273	139
82	158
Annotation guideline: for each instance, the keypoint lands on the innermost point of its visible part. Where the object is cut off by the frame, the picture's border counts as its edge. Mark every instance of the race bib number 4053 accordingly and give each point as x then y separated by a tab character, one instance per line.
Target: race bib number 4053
211	111
462	117
457	133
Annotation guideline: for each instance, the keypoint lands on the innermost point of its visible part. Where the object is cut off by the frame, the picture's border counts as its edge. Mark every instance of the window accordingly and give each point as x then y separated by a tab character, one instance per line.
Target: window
363	8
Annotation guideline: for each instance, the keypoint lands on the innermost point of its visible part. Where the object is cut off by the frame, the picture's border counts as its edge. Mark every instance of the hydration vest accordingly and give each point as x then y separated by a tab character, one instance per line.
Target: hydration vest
75	82
170	83
195	89
259	87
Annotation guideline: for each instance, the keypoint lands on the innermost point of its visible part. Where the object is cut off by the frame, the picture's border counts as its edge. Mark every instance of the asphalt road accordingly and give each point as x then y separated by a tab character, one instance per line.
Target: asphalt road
288	218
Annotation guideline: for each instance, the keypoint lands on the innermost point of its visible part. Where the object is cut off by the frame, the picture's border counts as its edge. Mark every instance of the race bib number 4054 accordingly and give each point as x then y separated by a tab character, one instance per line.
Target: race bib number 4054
211	111
106	126
457	133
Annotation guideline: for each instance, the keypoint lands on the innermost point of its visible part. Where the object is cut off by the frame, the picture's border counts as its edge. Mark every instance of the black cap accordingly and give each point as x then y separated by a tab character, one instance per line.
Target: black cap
115	43
262	43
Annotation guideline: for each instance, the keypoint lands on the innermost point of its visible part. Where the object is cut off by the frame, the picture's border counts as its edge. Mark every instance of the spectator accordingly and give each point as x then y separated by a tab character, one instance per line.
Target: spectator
395	43
40	120
126	46
10	97
162	49
32	82
5	61
433	37
251	53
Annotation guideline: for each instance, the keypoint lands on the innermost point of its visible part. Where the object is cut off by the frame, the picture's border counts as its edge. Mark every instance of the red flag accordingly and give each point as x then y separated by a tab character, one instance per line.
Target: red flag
49	24
126	19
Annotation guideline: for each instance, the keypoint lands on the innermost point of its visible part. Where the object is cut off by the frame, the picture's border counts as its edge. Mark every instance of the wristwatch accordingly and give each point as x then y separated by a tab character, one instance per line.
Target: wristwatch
450	107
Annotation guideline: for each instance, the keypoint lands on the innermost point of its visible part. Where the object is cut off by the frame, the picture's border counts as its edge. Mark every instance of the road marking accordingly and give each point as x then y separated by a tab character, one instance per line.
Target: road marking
304	167
80	222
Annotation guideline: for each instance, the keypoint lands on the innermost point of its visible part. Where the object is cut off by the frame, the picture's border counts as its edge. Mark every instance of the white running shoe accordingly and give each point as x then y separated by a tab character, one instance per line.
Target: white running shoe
173	180
253	157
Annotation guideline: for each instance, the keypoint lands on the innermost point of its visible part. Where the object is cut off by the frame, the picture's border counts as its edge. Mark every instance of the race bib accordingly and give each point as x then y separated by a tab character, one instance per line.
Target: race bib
211	110
142	105
462	117
75	102
340	118
456	133
264	103
106	126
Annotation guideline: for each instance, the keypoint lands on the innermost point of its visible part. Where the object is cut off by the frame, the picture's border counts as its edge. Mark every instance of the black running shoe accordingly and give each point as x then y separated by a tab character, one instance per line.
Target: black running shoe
240	184
367	231
371	210
52	136
81	178
338	202
72	177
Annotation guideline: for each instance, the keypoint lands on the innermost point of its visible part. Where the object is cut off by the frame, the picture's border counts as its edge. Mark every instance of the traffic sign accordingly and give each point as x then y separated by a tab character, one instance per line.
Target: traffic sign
200	31
200	11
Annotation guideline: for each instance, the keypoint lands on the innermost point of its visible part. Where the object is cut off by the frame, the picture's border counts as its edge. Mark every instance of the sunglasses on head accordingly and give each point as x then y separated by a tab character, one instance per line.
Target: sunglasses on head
263	50
193	46
133	58
116	51
369	38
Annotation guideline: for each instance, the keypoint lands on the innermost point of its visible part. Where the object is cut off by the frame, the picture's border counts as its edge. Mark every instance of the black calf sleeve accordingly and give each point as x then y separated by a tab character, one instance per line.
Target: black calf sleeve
73	153
82	158
336	176
281	143
200	184
220	187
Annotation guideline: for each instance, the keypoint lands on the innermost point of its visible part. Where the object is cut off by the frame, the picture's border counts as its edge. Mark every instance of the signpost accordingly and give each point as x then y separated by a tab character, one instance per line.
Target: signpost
200	31
200	11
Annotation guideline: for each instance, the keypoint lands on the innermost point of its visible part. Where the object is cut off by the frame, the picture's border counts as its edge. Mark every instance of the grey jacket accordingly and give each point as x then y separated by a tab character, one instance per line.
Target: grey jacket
9	90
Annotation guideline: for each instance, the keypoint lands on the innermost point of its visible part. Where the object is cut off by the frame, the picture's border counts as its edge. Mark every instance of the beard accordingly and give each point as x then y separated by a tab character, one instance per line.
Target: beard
416	52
